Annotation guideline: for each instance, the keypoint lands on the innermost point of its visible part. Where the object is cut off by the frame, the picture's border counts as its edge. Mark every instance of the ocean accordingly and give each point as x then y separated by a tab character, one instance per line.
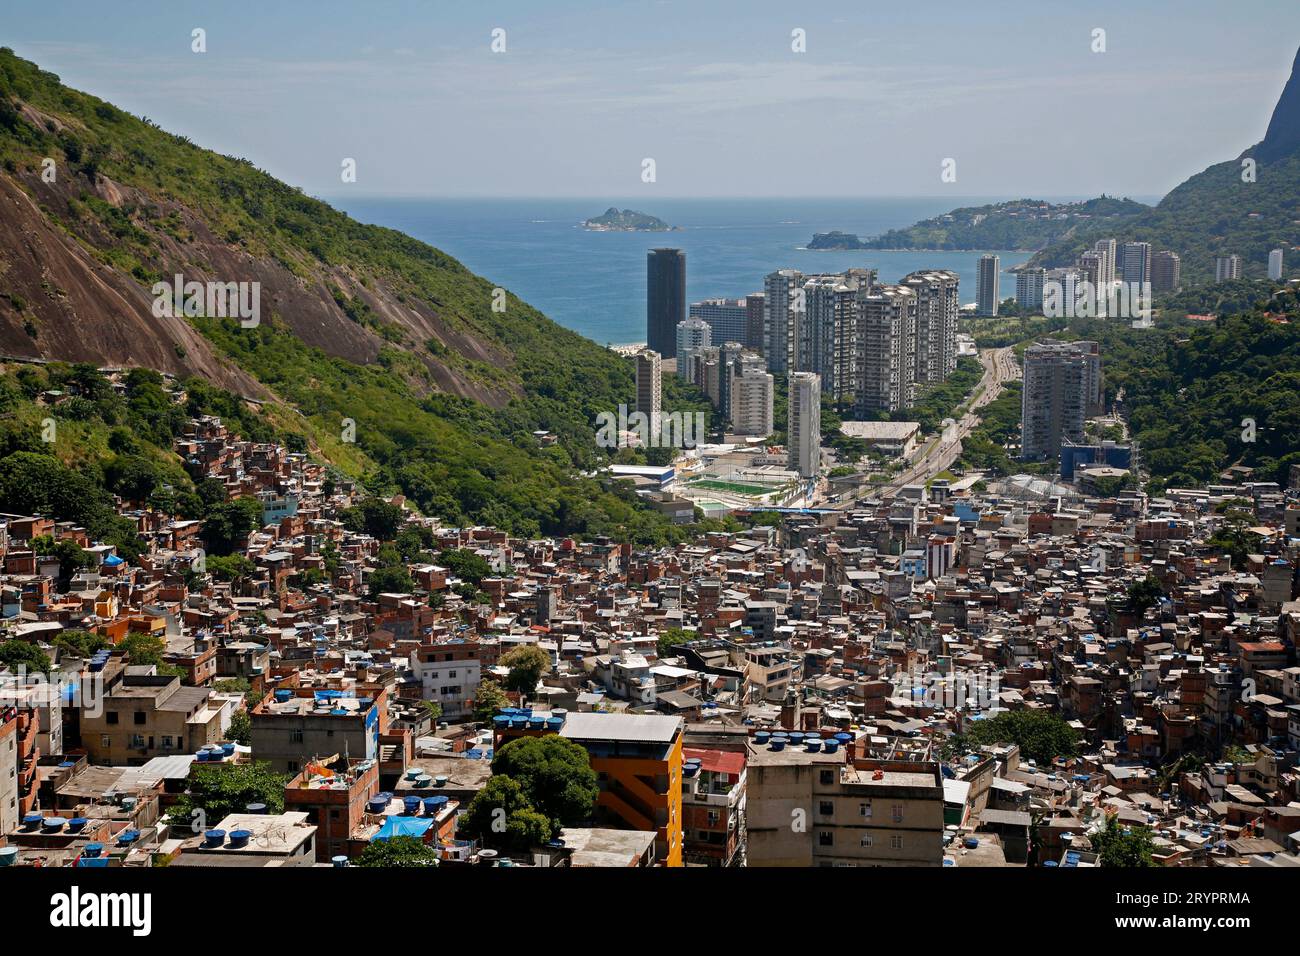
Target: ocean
595	282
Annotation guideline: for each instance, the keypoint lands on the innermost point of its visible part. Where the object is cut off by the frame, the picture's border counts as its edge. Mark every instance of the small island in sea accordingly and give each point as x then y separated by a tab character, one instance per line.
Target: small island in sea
626	220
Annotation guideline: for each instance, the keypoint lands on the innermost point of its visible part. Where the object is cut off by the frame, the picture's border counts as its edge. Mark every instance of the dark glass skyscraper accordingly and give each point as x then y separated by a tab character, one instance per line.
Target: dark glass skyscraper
665	299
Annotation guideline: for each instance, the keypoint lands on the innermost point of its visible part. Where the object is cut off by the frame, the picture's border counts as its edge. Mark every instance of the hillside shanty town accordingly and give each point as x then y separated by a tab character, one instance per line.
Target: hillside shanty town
942	677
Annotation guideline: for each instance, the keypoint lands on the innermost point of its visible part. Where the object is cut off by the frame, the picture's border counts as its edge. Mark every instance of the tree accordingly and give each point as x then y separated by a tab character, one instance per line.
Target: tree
219	790
488	699
1144	594
228	524
398	851
241	728
375	517
487	817
393	579
70	554
671	638
80	643
465	564
233	568
555	775
1123	846
527	665
15	654
1040	735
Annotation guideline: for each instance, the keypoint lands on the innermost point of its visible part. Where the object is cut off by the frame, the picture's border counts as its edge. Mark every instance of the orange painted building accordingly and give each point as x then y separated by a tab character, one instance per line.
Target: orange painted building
638	764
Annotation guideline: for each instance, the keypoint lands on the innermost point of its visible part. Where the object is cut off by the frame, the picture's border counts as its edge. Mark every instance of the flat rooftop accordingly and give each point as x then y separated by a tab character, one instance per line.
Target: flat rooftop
633	728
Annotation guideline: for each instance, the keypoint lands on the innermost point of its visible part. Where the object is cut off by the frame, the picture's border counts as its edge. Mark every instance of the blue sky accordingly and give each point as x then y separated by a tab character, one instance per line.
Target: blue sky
710	89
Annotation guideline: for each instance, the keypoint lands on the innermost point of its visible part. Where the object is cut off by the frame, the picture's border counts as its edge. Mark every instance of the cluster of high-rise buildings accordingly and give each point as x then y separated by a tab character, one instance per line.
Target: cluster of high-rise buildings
1104	267
867	344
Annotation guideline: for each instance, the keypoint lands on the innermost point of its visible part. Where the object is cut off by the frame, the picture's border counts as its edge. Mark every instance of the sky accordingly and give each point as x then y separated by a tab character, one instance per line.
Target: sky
712	91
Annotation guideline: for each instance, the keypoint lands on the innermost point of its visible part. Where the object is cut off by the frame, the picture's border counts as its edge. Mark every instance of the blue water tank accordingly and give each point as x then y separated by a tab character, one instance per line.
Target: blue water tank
761	737
93	850
412	805
777	743
54	824
240	838
213	838
77	824
32	820
376	804
255	808
339	861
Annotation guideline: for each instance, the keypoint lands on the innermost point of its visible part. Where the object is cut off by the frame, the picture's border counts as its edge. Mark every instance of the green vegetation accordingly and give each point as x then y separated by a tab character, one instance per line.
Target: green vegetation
672	637
488	699
217	791
1042	736
1213	213
398	851
538	786
527	664
1027	224
626	220
15	654
452	456
1122	846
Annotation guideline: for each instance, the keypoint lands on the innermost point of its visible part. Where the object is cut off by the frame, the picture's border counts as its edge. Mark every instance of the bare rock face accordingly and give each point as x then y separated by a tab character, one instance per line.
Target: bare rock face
1283	136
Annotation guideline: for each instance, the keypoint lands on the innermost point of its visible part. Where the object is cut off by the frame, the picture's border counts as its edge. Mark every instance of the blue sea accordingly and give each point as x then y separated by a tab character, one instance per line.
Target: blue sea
595	282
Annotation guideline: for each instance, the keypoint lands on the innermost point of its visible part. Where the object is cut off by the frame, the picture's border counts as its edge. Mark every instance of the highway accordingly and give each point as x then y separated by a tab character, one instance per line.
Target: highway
940	453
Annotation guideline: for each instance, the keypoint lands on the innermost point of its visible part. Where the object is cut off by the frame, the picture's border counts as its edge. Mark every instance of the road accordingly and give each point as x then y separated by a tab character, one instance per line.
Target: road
939	454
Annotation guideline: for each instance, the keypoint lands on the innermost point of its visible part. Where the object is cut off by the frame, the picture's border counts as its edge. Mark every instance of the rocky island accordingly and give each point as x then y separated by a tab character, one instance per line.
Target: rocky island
626	220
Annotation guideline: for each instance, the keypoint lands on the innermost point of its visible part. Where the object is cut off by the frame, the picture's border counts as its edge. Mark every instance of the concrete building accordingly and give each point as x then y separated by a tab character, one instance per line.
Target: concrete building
754	304
804	429
1275	264
146	716
819	809
937	306
1061	379
449	673
1029	288
886	365
665	299
713	806
783	309
987	286
728	318
292	727
752	397
649	389
693	336
1227	268
1166	271
1135	261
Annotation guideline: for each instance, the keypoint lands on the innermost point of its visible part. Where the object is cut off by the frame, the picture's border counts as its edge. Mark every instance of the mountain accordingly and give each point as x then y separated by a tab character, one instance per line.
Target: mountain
1023	224
445	377
1217	212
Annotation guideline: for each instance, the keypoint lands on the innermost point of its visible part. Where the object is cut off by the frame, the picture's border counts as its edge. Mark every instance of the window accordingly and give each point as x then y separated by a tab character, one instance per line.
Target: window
827	777
896	842
867	840
897	811
111	717
167	742
295	736
865	810
826	808
826	838
451	674
292	765
104	740
139	717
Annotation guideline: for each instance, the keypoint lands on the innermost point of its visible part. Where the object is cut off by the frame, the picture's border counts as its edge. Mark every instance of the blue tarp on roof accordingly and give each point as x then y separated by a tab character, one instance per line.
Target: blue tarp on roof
399	826
113	560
